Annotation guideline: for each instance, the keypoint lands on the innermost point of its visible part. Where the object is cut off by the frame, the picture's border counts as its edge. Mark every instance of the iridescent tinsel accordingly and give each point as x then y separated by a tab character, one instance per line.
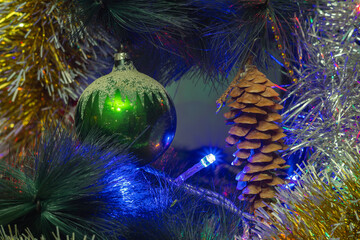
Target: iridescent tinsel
324	107
42	72
323	113
321	205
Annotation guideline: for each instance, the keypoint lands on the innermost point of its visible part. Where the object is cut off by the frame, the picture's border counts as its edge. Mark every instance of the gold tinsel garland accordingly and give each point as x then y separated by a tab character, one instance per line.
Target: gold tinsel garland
321	205
42	72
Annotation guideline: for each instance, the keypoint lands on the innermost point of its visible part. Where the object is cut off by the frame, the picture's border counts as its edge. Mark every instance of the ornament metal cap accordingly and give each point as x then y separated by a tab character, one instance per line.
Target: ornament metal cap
121	56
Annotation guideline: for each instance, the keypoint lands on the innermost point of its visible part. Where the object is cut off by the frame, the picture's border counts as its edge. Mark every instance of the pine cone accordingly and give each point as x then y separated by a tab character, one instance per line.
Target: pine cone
257	137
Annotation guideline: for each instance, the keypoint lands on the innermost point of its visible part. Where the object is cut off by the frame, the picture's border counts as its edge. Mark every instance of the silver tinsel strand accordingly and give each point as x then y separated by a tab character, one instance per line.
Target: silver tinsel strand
325	103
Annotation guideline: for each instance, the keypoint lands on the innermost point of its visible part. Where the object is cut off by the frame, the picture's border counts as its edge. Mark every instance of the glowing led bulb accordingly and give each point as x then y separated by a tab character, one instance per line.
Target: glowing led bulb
204	162
208	159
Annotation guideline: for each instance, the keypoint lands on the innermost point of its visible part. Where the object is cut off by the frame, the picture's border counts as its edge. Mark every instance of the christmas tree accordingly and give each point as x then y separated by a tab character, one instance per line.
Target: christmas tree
80	157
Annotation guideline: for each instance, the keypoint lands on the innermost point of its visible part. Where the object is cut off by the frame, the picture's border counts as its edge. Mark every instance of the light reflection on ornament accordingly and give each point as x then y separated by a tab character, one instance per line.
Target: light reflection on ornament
168	139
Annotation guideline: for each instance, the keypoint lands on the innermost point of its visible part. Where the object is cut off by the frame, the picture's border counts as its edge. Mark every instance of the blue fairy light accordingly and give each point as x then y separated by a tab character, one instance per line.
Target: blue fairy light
204	162
208	159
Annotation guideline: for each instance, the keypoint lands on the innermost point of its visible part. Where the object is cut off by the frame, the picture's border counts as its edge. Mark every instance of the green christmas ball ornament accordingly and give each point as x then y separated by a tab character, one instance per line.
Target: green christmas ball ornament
129	107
